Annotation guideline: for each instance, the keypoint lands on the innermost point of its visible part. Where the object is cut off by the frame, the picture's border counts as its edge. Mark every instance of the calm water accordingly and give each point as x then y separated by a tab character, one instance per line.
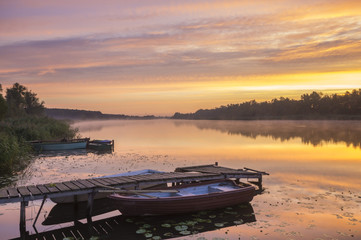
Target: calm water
313	192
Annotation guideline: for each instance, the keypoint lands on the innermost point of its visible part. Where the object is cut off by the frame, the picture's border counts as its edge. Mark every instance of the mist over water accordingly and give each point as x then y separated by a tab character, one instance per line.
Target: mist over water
313	191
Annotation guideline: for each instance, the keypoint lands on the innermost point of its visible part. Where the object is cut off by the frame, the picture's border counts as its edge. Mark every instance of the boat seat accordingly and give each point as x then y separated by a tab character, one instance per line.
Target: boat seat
224	188
212	189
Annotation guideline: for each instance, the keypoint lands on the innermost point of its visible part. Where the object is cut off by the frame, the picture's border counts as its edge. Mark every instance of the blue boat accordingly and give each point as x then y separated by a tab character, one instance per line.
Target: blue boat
80	143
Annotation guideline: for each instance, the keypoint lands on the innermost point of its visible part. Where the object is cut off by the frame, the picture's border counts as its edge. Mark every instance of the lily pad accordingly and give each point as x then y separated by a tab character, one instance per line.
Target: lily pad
129	220
238	222
219	224
166	225
168	234
141	231
148	235
146	226
156	238
185	232
212	216
181	228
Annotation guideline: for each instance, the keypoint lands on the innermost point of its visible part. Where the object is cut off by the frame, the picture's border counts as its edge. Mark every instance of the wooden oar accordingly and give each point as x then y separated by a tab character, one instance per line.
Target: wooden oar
137	192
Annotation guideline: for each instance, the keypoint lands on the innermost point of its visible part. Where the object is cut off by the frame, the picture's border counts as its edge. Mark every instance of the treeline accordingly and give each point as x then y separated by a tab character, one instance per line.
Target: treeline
310	106
22	119
75	114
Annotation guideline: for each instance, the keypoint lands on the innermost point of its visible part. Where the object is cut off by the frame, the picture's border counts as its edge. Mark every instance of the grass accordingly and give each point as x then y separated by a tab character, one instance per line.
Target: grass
15	132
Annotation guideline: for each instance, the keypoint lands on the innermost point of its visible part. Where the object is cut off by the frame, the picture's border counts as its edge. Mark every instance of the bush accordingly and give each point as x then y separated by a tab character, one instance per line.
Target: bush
14	134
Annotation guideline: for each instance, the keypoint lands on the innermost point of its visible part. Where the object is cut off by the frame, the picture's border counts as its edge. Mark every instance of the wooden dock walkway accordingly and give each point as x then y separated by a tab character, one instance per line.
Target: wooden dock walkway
24	194
83	186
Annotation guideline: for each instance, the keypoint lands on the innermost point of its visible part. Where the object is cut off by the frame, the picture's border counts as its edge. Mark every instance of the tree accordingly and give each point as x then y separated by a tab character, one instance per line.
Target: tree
32	104
15	100
3	106
20	101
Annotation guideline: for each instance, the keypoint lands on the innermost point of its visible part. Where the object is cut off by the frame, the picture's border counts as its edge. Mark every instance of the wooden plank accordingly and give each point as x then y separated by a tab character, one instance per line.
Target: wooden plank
62	187
13	192
110	181
125	180
117	180
4	193
86	183
34	190
51	187
71	185
78	184
23	191
98	181
42	189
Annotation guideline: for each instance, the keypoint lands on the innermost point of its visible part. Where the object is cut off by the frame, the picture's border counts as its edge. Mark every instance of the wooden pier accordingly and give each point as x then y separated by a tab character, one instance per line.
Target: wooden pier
24	194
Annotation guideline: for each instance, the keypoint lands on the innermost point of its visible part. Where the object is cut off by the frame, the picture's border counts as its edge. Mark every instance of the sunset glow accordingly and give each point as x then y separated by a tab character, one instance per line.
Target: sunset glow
160	57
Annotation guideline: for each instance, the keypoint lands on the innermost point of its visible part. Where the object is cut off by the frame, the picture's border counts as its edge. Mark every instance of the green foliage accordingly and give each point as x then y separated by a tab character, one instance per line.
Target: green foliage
3	105
14	132
20	101
12	152
311	106
40	128
25	122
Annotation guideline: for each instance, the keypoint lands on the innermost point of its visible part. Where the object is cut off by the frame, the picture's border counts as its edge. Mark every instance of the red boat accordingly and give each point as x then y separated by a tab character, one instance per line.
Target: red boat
187	198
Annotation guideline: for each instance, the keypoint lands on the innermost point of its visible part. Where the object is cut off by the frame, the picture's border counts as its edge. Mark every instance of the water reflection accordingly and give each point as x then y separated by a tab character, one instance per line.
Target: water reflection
311	132
155	227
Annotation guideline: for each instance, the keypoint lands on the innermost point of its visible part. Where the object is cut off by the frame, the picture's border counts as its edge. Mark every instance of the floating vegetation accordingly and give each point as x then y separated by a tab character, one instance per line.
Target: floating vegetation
129	220
238	222
185	232
141	231
146	226
181	228
148	235
166	225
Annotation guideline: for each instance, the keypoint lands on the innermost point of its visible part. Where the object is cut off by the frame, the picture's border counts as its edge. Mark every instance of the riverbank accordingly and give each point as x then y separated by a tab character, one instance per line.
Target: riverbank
15	132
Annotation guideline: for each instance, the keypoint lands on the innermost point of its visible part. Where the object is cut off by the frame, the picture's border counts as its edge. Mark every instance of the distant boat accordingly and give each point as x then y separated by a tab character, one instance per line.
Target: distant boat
100	195
189	198
101	144
64	144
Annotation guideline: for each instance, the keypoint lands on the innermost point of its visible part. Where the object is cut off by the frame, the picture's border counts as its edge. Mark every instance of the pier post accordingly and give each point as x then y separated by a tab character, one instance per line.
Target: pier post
89	208
22	226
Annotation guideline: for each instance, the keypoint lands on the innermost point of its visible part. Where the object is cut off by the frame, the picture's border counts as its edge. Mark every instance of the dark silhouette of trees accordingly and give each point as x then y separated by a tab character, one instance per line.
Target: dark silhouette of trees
3	106
20	102
310	106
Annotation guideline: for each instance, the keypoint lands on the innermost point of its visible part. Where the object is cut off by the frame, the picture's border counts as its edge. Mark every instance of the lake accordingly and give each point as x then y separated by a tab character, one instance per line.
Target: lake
313	190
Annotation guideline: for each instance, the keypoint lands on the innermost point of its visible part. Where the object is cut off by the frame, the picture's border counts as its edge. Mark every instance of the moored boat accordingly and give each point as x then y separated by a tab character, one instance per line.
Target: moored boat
60	145
101	144
188	198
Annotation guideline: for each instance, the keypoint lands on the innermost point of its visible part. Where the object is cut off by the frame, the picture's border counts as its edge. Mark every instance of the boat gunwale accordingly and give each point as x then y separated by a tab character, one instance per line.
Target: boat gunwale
136	198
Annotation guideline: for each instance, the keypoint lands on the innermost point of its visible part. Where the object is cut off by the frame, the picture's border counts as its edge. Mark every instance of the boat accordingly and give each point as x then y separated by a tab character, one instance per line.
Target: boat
63	144
187	198
100	195
101	144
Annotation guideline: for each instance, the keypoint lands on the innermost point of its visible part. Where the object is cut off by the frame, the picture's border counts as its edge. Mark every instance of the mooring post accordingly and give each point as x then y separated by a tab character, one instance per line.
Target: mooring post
90	206
23	204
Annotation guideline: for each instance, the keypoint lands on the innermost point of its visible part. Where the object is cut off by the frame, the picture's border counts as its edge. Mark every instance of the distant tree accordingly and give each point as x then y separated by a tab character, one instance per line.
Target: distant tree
15	100
311	106
32	104
3	106
20	101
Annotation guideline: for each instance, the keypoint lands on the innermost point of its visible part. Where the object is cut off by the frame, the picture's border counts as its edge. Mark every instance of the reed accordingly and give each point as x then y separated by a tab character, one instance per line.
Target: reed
15	132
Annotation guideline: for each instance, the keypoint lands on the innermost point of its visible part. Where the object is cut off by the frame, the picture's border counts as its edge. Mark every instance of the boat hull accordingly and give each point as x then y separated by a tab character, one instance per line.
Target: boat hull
134	206
60	145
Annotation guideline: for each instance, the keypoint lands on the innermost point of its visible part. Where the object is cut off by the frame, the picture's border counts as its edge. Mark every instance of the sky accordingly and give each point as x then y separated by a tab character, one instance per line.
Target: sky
158	57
